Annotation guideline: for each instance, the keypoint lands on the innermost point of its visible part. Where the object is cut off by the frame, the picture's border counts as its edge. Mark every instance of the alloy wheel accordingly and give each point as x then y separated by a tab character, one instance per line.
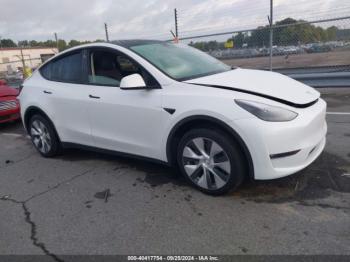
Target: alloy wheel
206	163
40	136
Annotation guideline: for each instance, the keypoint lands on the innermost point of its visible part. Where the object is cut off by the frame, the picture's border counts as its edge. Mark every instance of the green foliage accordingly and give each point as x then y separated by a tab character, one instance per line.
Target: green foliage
239	40
7	43
297	32
207	46
62	44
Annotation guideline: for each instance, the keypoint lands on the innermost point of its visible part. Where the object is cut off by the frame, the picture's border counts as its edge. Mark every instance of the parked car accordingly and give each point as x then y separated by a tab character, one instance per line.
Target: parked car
14	76
177	105
9	105
318	48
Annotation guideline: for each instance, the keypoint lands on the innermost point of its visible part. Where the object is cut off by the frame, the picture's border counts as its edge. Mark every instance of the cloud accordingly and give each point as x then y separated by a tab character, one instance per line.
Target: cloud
84	20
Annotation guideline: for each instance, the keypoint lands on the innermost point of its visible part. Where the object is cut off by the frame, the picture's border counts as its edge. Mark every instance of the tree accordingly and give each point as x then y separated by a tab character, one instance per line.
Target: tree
33	43
48	43
332	33
62	45
259	37
239	40
23	43
74	43
7	43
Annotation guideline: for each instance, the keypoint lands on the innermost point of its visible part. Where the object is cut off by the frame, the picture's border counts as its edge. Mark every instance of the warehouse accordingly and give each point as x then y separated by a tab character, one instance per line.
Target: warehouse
11	58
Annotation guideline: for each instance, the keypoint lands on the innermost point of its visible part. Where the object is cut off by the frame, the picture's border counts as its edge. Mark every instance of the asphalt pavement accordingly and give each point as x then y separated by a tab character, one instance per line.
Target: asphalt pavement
87	203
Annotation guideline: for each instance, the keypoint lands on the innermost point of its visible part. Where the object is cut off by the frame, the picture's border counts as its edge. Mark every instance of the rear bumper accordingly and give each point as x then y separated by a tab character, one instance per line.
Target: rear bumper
279	149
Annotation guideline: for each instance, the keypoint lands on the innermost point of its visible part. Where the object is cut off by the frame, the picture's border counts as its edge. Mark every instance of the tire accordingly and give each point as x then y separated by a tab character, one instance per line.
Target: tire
214	153
43	136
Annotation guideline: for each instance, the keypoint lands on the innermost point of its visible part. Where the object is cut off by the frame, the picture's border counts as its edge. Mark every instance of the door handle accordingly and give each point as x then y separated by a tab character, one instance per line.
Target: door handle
47	92
96	97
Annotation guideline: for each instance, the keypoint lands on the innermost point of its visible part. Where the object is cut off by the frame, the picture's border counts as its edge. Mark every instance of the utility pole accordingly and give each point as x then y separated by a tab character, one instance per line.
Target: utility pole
106	30
22	58
271	31
176	28
56	41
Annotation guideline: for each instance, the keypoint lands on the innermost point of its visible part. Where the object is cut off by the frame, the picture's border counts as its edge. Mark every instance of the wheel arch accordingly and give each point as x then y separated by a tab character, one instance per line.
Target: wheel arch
32	110
205	121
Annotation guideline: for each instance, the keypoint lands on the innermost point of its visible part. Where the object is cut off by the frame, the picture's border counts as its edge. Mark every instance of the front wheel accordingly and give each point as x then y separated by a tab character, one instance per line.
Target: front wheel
211	161
43	136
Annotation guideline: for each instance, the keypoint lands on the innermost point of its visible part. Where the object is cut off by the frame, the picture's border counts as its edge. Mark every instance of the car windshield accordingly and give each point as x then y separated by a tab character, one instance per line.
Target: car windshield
179	61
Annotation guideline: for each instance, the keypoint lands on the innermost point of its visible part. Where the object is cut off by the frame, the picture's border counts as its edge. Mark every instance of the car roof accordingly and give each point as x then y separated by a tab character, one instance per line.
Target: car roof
135	42
123	43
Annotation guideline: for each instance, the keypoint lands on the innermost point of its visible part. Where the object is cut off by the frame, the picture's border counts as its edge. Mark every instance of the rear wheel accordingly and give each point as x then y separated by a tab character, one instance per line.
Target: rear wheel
43	136
211	161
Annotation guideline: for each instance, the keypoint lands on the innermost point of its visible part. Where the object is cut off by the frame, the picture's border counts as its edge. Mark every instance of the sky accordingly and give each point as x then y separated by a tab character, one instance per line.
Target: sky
84	19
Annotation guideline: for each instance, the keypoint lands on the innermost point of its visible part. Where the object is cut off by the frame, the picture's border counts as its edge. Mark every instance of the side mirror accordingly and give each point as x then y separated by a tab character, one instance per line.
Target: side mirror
134	81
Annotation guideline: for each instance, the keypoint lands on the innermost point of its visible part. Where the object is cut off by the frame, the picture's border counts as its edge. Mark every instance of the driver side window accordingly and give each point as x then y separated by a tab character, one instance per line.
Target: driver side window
108	68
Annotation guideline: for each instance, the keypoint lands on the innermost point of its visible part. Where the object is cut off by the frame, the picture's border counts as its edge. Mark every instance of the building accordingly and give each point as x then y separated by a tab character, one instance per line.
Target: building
11	58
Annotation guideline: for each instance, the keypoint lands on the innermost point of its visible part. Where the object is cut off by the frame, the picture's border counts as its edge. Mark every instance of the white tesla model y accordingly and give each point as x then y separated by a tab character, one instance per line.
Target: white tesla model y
174	104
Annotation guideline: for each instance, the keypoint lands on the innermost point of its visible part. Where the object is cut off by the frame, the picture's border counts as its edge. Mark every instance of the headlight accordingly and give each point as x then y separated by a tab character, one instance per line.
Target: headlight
267	112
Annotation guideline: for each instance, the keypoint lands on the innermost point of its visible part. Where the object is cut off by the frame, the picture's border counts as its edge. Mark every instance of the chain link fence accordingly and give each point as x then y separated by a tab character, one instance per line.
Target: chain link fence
14	62
298	47
317	46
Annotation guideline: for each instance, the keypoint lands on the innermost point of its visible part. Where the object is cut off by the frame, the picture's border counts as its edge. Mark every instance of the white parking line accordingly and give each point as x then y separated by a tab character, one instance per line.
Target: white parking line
338	113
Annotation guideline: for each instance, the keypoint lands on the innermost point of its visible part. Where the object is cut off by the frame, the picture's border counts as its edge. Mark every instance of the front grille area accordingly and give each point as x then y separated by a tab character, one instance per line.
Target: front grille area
8	105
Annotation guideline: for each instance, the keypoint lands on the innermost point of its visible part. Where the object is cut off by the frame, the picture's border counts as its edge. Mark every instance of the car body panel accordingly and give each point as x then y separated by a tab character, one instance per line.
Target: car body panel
65	104
134	120
9	105
262	82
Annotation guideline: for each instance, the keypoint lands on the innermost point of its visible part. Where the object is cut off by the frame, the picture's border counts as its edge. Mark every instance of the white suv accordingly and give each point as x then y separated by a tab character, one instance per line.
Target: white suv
174	104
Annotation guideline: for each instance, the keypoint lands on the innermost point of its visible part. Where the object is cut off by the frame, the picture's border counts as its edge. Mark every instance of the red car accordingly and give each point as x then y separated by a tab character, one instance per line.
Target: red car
9	105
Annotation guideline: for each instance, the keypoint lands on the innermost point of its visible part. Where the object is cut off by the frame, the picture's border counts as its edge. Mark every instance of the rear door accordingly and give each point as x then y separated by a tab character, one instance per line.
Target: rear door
67	97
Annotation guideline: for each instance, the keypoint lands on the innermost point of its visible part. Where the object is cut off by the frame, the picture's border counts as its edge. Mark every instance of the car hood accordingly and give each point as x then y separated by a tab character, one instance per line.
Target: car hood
267	84
7	91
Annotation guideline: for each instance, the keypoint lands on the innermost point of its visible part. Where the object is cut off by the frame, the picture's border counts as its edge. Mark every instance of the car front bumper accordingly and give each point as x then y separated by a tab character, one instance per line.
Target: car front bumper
279	149
9	114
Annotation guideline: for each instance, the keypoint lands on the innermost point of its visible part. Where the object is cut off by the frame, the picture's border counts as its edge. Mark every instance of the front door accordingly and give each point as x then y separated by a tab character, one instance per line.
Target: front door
123	120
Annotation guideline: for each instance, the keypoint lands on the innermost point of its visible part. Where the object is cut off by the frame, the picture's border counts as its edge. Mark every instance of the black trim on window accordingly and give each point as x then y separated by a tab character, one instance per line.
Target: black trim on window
55	59
86	63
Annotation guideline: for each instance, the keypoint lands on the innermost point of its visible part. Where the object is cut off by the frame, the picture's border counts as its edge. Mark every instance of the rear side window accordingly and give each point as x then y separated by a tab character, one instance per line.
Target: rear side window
66	69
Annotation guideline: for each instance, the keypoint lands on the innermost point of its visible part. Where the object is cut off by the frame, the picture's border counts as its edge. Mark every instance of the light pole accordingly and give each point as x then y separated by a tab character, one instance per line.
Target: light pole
106	30
56	38
271	32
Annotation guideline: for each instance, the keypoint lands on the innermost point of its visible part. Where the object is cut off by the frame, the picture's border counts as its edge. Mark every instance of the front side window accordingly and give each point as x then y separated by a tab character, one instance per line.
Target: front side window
178	61
108	68
66	69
